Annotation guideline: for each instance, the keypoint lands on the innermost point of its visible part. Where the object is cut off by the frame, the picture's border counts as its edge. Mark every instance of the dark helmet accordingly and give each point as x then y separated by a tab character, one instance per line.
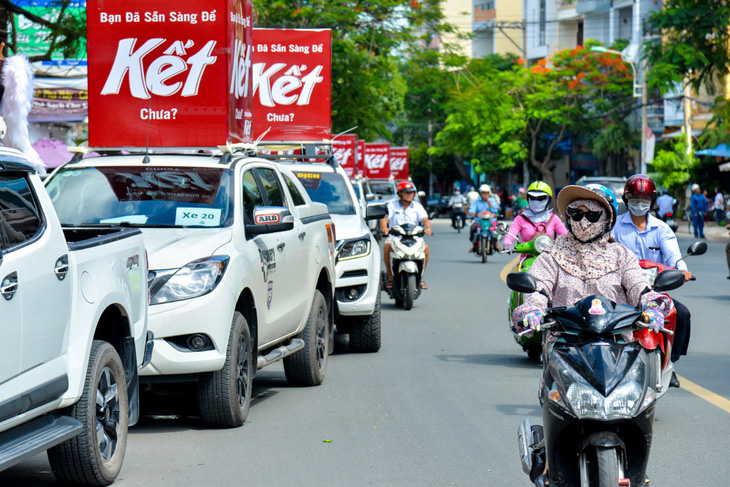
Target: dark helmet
639	185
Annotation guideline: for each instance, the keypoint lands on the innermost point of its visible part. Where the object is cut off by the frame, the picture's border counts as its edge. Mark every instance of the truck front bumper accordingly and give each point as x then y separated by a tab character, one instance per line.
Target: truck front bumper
361	276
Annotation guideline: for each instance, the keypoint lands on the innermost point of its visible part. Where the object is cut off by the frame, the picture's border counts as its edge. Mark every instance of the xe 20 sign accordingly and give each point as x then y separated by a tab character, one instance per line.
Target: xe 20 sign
169	73
292	72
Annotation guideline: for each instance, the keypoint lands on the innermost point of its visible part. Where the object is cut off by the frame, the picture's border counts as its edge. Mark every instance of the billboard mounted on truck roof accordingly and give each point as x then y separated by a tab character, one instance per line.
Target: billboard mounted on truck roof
292	73
169	73
345	151
399	163
377	160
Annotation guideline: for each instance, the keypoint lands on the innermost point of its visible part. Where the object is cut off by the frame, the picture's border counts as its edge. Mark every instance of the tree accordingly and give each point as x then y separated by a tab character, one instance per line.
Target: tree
673	167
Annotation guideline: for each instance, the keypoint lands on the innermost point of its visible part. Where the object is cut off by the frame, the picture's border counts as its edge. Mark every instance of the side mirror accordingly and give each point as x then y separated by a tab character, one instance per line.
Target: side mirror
668	280
270	219
376	210
369	197
697	248
522	282
421	194
397	230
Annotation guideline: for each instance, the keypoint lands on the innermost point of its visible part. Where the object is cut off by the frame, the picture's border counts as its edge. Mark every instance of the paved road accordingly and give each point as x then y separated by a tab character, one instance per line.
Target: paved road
439	405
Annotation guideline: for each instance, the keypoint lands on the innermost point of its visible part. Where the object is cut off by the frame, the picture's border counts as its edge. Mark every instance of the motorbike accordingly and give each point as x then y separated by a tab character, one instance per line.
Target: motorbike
458	216
668	218
407	261
659	345
530	343
597	397
487	238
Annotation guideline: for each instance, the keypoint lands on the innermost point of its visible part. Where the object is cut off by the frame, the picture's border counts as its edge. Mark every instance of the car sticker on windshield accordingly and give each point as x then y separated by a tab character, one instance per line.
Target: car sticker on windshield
310	180
188	185
202	217
133	219
597	308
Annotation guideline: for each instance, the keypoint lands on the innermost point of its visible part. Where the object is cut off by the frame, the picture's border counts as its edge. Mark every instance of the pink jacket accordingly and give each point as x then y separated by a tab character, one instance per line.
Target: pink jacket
526	229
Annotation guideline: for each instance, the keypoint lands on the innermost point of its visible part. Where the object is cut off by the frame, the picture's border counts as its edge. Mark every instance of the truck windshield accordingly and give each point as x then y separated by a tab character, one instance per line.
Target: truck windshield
148	196
329	188
384	188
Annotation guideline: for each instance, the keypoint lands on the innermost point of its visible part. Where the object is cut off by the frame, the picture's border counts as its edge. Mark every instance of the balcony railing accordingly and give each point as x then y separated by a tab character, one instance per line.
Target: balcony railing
588	6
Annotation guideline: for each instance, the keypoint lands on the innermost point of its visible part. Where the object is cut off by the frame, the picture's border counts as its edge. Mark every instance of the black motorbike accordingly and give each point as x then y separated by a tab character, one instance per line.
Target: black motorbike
668	218
458	216
597	395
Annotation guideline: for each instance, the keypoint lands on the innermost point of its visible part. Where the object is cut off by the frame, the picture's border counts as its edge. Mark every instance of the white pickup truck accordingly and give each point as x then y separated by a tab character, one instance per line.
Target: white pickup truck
242	266
73	333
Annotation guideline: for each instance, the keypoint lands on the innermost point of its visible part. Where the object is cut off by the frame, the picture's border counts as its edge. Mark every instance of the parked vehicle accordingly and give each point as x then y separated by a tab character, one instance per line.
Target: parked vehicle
597	394
407	260
530	342
73	334
365	193
615	184
385	189
359	258
242	266
487	241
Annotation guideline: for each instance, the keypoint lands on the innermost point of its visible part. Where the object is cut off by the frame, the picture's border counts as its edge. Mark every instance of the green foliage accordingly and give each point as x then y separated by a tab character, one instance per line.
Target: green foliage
615	138
672	168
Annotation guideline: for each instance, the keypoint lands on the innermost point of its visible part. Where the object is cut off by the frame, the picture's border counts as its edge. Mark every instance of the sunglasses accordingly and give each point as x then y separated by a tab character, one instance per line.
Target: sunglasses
577	215
537	198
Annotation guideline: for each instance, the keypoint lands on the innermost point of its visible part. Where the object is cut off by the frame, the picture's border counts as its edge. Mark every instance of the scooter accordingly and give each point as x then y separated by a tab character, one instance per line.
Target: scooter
668	218
407	260
597	396
487	234
458	216
530	342
659	345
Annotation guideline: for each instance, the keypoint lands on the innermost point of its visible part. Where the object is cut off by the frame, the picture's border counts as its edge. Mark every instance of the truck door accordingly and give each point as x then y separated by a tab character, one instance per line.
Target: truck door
10	311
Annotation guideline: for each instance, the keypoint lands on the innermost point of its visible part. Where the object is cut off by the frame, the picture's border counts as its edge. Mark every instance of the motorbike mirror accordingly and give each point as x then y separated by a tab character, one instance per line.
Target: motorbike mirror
521	282
668	280
697	248
421	194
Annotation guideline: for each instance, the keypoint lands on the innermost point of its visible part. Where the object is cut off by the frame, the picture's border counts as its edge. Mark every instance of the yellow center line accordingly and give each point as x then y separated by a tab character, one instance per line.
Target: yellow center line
705	394
508	268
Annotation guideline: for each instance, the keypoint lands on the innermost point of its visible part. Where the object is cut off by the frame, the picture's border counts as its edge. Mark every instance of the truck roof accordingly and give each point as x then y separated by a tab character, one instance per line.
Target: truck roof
184	160
14	160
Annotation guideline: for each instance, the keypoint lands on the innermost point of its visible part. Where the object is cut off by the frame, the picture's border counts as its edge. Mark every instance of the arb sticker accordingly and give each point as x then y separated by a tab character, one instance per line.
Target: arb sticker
267	218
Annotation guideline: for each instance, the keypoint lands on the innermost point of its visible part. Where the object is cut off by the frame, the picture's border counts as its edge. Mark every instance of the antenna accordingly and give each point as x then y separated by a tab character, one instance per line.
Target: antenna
262	136
343	133
146	159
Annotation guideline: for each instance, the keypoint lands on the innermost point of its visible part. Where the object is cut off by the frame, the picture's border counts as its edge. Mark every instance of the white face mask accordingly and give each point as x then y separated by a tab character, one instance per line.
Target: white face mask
538	206
639	207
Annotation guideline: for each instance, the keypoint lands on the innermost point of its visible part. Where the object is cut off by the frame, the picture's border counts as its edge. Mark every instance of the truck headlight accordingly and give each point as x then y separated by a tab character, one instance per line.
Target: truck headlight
354	248
194	279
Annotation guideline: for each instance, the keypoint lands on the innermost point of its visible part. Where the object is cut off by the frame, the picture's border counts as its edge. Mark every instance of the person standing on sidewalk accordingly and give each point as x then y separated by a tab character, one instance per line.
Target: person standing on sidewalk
698	207
719	206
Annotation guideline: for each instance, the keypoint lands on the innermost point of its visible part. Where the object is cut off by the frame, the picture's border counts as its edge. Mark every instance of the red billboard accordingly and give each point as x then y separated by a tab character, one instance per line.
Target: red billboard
377	161
169	73
360	156
344	148
399	163
292	87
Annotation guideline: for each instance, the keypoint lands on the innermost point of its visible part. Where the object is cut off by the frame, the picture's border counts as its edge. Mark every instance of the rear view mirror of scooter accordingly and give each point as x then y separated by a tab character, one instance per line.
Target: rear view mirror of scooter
697	248
668	280
521	282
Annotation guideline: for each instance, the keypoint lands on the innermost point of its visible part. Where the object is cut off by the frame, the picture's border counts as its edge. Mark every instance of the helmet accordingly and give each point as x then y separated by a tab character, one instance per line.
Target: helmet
457	191
540	187
695	187
484	188
405	186
639	185
607	195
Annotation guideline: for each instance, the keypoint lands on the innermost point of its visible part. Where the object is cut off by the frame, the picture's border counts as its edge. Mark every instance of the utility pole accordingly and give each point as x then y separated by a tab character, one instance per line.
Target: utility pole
687	116
430	162
644	100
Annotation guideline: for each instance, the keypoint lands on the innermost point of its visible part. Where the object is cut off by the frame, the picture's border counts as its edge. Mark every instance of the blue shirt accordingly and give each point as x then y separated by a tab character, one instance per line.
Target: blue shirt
656	243
698	204
480	205
666	204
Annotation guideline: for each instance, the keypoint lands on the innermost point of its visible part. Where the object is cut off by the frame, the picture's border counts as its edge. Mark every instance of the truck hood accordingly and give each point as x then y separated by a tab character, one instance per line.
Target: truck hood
171	248
349	226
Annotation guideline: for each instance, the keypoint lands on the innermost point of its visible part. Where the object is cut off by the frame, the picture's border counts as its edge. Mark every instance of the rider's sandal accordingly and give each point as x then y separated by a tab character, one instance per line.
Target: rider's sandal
423	285
389	284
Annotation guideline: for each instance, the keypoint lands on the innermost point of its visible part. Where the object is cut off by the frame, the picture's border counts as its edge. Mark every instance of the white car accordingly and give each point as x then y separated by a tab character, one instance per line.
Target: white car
359	258
242	266
73	333
365	193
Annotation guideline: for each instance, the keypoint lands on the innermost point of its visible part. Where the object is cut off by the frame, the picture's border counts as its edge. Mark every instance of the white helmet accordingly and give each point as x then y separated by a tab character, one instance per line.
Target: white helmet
484	188
695	187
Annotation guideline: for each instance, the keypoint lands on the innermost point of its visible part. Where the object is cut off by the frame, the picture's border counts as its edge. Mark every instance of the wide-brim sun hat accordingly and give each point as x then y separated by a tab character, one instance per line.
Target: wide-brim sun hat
571	193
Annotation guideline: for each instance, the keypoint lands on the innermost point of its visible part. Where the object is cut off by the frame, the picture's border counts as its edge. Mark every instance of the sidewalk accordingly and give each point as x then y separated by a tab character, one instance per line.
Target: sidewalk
712	231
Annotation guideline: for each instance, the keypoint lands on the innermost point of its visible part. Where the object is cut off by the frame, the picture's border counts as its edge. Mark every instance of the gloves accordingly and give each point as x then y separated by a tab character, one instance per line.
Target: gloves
533	319
655	317
509	247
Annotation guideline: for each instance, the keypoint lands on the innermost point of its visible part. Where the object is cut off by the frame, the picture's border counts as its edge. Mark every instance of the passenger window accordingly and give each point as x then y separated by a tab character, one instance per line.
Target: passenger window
295	194
272	187
19	216
251	196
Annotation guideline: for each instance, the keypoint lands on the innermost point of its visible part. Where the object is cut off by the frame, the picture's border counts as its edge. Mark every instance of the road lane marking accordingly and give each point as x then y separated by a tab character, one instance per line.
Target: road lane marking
705	394
508	268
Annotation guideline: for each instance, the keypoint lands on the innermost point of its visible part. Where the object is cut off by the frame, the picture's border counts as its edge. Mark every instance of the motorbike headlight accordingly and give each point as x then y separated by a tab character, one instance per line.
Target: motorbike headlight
194	279
354	248
542	243
623	402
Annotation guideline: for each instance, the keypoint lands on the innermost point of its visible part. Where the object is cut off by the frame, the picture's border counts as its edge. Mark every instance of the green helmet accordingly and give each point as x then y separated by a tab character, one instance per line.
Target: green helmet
540	186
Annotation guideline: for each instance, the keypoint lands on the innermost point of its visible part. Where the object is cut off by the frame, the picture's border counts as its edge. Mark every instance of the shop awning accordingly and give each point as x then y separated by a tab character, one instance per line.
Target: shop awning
721	150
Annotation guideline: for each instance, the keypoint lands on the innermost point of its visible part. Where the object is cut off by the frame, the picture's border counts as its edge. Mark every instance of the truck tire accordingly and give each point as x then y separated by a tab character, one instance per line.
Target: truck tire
308	367
607	467
224	396
410	295
95	458
365	332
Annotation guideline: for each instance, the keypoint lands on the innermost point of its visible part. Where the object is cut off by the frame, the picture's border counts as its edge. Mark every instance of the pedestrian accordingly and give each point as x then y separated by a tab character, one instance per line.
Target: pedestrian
698	207
719	206
520	202
727	254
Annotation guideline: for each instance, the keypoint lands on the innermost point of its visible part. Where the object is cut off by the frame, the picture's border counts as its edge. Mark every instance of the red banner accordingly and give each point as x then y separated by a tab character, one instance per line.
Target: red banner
360	156
345	151
169	73
292	75
399	163
377	163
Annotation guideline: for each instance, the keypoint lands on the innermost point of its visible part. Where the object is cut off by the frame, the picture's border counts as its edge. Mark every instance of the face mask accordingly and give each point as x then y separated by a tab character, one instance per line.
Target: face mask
538	206
639	207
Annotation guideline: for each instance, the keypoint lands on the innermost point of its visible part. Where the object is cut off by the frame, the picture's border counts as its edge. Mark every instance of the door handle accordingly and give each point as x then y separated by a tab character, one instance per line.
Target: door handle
302	235
9	286
281	246
61	267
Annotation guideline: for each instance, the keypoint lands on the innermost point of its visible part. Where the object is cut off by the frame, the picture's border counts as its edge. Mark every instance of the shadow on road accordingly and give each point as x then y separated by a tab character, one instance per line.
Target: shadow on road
520	410
516	360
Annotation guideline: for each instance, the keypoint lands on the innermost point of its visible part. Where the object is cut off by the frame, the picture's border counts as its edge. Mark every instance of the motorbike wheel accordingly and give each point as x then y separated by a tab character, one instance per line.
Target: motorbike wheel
534	350
410	295
459	224
607	467
485	242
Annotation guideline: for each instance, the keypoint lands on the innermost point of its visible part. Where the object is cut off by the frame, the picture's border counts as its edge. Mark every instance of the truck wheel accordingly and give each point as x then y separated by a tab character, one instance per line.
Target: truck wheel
365	332
95	456
410	292
308	367
607	467
225	395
